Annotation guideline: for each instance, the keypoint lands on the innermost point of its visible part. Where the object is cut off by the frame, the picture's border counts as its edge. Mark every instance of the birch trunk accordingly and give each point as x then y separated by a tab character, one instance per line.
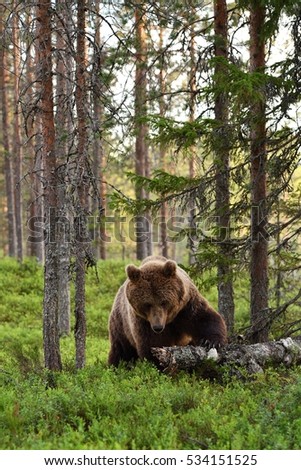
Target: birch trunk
253	358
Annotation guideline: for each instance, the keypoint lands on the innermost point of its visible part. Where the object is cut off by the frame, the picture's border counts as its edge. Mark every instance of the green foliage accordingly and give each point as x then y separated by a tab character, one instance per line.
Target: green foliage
127	408
100	292
161	183
21	287
99	408
121	202
245	88
182	134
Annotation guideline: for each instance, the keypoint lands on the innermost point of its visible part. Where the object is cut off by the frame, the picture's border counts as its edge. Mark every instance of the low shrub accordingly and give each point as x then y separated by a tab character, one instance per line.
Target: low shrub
126	408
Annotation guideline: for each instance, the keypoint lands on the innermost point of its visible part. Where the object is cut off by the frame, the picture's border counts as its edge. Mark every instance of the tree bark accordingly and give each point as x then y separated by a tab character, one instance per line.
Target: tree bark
98	204
259	216
37	177
17	147
222	177
8	168
82	190
35	245
141	149
162	108
38	203
192	242
253	358
50	319
61	125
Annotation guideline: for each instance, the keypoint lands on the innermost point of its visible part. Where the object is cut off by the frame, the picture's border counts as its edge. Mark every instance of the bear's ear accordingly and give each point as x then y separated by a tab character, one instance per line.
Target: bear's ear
133	273
169	268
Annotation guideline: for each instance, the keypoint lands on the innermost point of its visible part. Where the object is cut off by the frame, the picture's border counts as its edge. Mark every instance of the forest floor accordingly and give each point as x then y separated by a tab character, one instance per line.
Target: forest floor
139	408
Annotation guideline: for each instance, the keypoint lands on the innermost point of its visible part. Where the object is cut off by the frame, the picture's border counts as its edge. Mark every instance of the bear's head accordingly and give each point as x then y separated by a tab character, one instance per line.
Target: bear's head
156	292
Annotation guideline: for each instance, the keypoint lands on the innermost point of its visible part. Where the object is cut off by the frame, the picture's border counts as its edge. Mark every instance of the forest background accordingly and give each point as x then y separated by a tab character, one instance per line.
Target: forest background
131	128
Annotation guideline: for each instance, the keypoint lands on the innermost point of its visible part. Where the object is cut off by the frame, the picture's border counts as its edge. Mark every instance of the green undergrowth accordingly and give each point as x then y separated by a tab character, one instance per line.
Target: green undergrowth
137	408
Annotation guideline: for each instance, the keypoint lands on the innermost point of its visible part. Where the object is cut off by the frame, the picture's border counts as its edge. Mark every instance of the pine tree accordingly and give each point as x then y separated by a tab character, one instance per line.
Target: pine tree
222	157
141	146
50	317
193	150
62	131
17	145
258	156
81	188
162	149
98	91
8	167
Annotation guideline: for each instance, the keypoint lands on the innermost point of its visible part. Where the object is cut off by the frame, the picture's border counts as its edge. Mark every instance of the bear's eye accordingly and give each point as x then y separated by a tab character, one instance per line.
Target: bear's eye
164	303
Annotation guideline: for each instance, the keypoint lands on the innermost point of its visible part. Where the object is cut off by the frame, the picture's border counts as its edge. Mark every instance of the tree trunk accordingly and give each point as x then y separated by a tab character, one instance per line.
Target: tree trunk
192	242
50	320
34	241
141	150
98	207
61	124
8	170
162	108
222	178
82	190
259	249
17	147
253	358
38	203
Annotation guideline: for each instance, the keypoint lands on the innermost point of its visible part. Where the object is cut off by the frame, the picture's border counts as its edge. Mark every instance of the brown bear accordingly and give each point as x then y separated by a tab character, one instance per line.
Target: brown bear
158	305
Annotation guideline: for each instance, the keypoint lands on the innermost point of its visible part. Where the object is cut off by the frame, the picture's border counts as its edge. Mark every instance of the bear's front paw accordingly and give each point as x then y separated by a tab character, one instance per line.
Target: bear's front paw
210	343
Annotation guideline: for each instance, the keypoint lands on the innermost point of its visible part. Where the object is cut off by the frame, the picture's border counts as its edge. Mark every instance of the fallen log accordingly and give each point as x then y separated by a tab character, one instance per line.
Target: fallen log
252	357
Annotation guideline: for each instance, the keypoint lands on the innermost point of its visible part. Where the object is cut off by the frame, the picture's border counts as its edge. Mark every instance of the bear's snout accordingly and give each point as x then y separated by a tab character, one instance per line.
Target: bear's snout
158	328
157	318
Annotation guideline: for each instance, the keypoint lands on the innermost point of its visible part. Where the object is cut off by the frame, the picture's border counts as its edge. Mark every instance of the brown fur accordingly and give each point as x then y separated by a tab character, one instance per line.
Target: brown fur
158	305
